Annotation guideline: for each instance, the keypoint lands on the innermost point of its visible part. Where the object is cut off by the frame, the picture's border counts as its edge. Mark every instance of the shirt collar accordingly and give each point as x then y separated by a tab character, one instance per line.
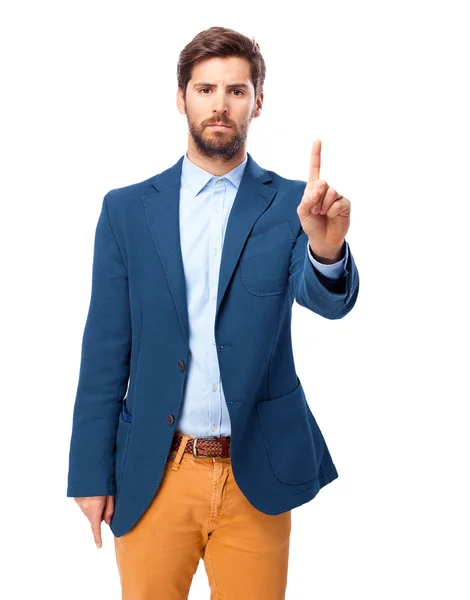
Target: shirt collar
197	178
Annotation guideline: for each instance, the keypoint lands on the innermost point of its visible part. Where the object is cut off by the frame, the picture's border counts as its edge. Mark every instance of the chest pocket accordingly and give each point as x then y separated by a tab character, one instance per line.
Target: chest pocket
265	261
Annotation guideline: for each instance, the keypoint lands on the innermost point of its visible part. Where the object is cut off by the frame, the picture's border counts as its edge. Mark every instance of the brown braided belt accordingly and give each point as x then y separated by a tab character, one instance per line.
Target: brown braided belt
203	447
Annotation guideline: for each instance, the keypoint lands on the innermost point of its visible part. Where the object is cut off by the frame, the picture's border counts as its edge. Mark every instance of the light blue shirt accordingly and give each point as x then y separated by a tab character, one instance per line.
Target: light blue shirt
205	204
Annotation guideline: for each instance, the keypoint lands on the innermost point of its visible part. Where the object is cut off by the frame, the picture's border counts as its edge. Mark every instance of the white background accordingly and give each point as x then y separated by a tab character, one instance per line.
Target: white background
88	105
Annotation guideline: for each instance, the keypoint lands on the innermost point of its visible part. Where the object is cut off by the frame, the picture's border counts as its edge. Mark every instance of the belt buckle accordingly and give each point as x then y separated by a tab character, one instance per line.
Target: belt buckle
195	454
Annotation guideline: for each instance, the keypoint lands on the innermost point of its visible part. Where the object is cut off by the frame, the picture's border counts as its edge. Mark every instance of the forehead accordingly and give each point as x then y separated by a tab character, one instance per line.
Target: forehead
224	69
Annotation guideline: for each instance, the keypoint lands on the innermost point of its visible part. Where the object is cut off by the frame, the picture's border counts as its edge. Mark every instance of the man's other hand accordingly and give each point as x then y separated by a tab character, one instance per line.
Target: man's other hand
97	509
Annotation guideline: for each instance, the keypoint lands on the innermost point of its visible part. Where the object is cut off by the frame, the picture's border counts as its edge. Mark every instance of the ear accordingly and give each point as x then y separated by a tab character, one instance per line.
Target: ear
180	103
258	106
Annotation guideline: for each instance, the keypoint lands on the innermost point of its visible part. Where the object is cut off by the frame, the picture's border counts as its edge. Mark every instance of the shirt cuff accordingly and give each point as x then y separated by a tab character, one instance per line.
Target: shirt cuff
333	271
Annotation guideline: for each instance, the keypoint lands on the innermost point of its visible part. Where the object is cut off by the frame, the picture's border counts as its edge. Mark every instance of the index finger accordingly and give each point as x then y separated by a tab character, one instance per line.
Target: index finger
95	522
315	161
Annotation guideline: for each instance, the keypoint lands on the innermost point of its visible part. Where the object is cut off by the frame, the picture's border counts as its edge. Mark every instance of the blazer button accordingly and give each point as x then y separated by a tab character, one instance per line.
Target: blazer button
170	419
181	365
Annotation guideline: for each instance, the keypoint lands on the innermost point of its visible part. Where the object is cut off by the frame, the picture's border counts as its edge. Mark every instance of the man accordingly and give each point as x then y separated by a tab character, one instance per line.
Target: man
192	437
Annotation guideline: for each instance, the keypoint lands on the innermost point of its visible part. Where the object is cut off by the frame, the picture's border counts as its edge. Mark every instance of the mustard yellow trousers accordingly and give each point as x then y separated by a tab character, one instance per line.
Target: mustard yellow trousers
200	512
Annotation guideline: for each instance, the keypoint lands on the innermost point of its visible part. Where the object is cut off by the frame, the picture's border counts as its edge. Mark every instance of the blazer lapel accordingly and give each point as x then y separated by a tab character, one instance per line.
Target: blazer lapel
162	211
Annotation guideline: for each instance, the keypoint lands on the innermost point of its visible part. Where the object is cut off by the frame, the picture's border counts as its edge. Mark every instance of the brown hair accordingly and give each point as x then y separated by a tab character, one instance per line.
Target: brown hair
220	42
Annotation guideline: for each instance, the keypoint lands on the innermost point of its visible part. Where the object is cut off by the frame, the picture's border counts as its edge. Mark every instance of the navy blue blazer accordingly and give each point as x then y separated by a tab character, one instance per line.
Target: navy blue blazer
135	351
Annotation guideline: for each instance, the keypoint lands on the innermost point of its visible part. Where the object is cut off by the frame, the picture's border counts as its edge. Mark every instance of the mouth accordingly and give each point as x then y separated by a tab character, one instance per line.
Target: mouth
219	126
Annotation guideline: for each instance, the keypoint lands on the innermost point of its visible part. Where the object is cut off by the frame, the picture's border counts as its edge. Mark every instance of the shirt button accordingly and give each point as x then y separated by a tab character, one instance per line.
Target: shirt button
214	250
213	341
213	427
214	296
217	208
218	181
214	387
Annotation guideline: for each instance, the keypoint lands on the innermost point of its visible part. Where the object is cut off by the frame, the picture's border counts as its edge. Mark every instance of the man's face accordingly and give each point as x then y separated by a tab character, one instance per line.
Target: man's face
220	91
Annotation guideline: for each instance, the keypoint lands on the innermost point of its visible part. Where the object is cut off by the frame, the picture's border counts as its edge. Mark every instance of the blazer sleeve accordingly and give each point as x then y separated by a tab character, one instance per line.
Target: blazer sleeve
104	369
327	297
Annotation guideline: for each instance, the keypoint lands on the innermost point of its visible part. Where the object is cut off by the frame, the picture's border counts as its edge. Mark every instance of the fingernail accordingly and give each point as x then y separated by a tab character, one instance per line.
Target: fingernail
98	545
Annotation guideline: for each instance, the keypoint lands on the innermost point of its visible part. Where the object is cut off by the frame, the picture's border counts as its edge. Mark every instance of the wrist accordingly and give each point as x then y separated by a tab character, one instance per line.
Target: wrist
327	254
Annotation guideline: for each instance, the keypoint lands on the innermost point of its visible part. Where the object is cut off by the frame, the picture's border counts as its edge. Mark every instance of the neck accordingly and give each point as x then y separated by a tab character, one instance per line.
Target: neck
216	166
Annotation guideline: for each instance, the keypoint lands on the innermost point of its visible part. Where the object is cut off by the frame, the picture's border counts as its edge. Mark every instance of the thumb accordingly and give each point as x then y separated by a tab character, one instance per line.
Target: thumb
108	510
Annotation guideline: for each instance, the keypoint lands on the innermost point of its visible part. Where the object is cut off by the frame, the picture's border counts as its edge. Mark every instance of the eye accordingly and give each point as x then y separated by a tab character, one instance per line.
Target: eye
237	92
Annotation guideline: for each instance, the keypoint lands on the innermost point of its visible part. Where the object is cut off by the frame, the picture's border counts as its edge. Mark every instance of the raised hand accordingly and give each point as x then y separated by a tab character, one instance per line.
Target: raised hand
324	214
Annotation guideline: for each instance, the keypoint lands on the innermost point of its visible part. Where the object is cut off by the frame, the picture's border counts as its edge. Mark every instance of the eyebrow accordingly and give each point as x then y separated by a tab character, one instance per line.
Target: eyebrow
230	85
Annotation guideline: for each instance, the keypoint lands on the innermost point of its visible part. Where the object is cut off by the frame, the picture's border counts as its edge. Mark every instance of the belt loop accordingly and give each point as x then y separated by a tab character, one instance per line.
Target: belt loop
179	454
223	441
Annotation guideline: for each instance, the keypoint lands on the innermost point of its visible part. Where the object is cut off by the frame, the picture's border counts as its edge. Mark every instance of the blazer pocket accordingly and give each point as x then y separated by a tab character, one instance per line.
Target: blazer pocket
265	261
125	415
293	440
122	441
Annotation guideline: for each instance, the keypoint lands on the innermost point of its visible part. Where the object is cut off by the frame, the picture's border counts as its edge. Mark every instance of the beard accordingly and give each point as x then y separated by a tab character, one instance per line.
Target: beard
221	144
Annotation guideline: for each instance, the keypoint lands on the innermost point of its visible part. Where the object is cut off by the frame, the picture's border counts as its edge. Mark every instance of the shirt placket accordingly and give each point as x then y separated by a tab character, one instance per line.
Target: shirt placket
215	254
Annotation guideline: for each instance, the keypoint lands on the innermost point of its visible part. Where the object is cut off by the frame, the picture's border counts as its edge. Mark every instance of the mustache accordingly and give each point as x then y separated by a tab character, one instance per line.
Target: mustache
222	120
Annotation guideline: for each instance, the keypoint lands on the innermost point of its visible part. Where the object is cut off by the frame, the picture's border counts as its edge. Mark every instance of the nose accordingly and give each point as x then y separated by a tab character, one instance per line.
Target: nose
220	104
